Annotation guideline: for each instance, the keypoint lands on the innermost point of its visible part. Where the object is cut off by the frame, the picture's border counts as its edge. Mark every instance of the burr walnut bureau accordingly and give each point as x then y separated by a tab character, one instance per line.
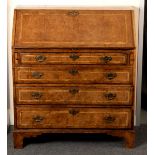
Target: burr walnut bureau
74	72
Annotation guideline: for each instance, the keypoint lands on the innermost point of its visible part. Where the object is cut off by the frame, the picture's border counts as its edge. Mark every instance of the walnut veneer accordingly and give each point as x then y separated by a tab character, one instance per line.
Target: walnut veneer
74	72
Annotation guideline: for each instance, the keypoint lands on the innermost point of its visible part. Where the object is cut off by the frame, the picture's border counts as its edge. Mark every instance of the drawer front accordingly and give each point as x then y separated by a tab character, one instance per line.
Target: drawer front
88	95
73	117
73	74
73	58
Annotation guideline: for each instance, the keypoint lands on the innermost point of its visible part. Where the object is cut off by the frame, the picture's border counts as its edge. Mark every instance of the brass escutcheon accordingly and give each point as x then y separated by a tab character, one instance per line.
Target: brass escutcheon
74	91
38	118
37	75
40	58
36	95
111	75
106	59
110	96
109	119
73	13
73	111
73	71
74	56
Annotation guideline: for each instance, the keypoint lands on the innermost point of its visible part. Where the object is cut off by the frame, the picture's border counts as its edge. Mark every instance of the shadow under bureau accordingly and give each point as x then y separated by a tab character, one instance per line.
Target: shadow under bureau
74	72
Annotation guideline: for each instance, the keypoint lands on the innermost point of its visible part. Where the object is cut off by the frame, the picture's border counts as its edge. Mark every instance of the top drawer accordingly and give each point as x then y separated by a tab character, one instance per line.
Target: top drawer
73	28
72	58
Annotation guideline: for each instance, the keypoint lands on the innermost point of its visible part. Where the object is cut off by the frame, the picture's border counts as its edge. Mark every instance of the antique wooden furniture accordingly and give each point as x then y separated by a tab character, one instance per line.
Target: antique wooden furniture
74	72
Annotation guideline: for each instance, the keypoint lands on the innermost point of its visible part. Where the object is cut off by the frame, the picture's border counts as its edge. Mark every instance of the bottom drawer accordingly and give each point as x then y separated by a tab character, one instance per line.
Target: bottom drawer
37	117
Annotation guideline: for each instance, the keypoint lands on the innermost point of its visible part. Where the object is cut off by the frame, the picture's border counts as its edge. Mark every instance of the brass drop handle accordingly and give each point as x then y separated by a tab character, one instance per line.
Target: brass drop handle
74	56
73	13
74	91
37	75
110	96
38	119
36	95
73	71
106	59
40	58
109	119
73	111
111	75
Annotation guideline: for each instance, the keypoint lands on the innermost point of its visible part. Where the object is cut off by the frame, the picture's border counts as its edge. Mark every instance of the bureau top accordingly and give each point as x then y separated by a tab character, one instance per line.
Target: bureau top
42	28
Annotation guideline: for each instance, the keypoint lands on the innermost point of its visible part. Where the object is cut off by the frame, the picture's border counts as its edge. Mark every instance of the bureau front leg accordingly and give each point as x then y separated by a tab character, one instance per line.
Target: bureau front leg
18	140
129	138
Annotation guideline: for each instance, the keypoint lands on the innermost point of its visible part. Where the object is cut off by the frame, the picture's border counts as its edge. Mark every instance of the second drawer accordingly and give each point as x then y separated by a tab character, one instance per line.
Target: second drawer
74	74
77	95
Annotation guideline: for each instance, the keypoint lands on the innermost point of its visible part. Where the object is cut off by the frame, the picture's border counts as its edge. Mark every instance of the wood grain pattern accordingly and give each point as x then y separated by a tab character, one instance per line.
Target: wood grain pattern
90	28
72	58
73	74
75	94
73	117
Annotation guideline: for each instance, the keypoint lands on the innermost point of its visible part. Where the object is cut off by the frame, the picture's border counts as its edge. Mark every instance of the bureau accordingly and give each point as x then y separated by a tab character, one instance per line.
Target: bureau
73	72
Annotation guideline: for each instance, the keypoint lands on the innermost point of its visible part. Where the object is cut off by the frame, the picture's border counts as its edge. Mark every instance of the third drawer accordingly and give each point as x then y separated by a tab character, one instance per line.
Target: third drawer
76	95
